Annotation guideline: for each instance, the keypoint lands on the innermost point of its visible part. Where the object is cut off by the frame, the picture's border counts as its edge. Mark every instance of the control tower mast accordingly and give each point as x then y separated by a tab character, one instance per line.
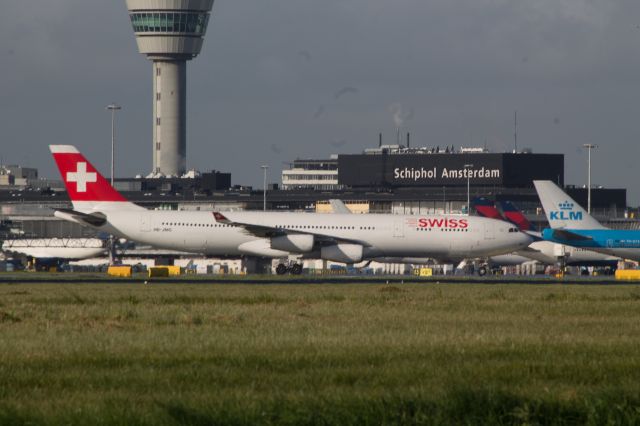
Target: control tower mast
169	32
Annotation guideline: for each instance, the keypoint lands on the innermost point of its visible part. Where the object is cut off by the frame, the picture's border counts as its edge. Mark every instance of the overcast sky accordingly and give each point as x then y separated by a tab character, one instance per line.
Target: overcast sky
284	79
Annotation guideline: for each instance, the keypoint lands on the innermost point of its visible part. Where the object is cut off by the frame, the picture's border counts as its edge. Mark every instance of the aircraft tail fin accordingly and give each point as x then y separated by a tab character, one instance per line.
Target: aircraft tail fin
88	190
486	208
338	206
515	216
561	210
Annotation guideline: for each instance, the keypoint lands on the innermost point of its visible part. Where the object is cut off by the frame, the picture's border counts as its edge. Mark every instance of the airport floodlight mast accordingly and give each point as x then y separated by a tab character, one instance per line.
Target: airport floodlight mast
589	147
113	108
169	32
264	190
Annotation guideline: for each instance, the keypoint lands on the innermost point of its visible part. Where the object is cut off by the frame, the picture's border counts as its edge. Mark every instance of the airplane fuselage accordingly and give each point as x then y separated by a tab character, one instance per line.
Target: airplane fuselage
621	243
379	234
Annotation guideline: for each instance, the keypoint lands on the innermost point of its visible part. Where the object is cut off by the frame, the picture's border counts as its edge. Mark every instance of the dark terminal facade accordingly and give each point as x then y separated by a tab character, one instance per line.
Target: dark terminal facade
397	170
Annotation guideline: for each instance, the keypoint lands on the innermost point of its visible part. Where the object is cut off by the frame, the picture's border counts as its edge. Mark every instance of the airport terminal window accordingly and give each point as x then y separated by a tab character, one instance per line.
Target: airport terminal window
170	22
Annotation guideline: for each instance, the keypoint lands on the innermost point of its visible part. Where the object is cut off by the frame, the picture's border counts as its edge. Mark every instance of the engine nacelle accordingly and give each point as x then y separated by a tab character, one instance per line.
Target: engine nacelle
343	253
296	243
261	248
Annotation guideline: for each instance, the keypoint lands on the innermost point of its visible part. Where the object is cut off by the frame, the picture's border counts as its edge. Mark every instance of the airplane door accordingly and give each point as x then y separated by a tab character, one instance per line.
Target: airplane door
489	232
145	223
398	227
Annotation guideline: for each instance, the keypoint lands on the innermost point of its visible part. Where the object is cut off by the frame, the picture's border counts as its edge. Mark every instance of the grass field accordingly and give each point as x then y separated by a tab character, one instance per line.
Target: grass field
319	354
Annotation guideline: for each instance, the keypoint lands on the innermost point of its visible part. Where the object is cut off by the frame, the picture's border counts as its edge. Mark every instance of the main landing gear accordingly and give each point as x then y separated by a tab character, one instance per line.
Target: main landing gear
293	269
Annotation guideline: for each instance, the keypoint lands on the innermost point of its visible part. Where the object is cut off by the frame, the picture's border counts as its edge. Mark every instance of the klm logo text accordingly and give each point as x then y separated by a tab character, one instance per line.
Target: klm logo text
565	215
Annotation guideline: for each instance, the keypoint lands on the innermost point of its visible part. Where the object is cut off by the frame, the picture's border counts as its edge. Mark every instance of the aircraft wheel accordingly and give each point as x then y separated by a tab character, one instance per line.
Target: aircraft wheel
281	269
296	269
482	271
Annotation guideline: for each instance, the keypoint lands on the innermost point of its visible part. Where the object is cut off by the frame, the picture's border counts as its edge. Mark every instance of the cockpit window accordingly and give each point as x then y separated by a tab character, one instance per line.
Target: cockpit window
513	229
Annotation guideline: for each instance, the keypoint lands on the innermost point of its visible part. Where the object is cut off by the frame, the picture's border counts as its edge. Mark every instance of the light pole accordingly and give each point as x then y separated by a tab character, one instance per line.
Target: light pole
467	167
113	108
589	147
264	186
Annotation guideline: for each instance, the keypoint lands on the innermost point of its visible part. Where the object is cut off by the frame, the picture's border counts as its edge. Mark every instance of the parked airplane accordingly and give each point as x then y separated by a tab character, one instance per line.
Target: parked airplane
50	252
572	225
342	238
56	248
545	252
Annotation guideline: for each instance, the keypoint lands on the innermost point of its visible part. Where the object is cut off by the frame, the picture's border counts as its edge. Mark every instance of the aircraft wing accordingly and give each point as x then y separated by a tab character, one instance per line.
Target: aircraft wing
563	234
265	231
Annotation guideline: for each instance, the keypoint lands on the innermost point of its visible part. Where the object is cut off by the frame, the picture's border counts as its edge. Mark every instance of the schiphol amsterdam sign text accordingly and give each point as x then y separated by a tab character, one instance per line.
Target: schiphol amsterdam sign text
422	174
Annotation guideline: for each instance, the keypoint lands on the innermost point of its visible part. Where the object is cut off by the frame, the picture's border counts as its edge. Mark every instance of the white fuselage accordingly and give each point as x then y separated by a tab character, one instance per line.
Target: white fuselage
56	248
380	235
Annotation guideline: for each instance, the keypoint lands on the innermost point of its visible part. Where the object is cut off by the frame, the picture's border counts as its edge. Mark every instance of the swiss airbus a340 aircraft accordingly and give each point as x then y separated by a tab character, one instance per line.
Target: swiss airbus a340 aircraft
345	238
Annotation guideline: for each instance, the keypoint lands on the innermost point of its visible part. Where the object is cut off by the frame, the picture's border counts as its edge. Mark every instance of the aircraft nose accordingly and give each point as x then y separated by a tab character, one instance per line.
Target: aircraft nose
524	240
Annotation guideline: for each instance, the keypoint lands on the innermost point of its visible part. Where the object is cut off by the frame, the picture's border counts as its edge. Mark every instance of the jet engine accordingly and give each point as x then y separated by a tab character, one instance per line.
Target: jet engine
295	243
343	253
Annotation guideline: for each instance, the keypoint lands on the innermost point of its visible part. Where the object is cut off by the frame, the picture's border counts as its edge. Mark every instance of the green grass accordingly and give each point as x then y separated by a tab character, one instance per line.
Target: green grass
319	354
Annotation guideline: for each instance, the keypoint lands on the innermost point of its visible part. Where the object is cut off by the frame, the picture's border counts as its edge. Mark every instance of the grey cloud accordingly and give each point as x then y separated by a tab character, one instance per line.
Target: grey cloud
463	66
345	91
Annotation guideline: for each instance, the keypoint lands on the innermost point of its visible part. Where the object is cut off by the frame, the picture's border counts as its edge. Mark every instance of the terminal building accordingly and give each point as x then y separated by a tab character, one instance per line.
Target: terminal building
318	175
397	179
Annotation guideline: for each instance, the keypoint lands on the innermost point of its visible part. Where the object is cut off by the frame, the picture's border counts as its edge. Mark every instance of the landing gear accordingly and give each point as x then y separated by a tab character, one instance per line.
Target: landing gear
482	271
293	269
281	269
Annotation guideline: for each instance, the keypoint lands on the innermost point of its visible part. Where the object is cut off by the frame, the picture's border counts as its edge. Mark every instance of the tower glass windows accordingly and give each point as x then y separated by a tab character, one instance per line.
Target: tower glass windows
170	22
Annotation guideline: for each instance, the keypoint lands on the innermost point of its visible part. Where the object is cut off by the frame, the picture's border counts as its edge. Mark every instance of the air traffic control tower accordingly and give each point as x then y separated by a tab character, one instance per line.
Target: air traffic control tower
169	32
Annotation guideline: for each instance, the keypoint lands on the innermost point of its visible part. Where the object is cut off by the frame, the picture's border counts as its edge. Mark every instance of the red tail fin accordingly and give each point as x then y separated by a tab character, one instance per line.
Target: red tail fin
515	216
486	208
82	180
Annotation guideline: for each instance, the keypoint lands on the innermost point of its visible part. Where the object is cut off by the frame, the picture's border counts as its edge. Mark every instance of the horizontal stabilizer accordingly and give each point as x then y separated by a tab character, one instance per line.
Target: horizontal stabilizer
537	236
563	234
92	219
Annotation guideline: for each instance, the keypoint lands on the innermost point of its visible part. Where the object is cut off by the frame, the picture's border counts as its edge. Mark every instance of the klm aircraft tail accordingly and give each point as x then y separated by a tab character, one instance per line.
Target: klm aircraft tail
561	210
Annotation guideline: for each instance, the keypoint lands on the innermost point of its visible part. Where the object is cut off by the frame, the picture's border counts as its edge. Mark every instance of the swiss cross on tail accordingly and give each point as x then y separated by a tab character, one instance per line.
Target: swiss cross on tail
82	180
81	177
